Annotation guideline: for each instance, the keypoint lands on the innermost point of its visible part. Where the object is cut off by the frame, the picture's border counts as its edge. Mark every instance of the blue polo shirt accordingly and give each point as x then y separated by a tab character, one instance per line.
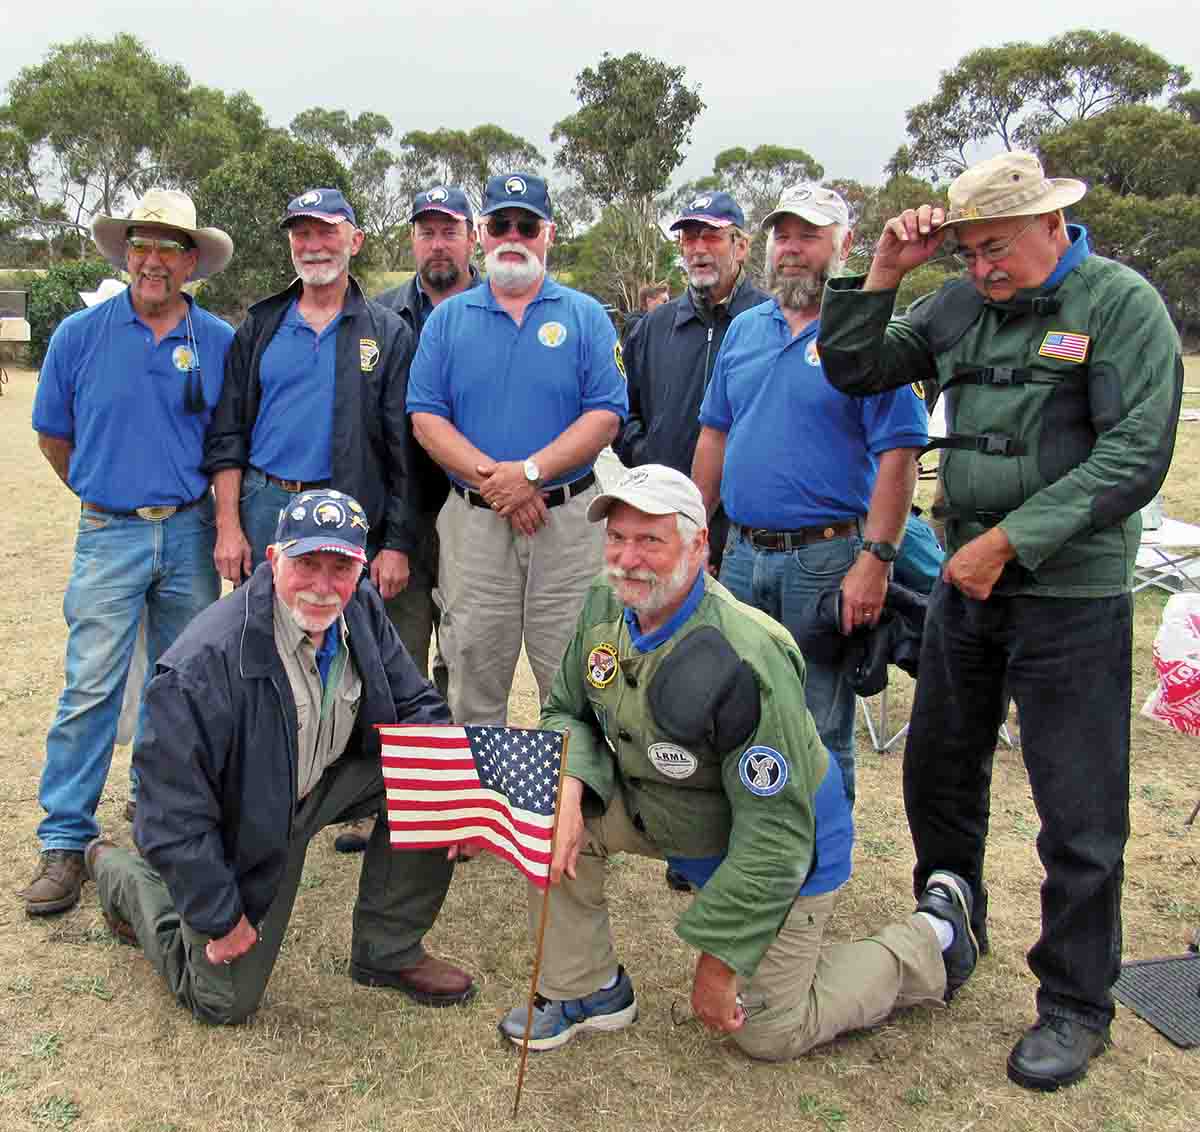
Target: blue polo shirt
798	453
293	432
120	400
509	389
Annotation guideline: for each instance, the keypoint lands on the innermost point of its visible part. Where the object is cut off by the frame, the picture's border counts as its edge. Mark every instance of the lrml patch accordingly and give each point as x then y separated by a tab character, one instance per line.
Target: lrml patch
552	334
812	354
183	358
368	354
602	665
763	771
672	761
619	358
1068	347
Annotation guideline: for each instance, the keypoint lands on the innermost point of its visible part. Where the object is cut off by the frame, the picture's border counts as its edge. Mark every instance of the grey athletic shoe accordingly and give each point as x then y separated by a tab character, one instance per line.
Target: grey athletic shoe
556	1022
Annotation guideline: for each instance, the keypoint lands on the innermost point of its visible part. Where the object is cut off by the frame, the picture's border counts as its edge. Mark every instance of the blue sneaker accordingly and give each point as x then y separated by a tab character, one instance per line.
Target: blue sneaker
555	1023
948	897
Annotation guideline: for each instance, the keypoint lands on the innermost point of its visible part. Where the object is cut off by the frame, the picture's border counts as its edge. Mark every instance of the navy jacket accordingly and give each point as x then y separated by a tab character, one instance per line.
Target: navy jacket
669	359
217	764
374	456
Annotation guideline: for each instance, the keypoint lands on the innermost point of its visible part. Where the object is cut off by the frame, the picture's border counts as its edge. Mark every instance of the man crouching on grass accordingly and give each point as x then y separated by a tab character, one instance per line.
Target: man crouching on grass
690	741
259	733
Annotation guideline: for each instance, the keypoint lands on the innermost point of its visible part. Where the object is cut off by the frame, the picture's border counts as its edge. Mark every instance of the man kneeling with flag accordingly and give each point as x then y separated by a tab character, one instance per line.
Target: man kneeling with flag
689	740
259	733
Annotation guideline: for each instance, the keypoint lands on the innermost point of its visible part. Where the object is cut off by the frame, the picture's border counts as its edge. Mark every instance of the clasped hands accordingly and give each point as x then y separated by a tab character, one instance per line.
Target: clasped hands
506	490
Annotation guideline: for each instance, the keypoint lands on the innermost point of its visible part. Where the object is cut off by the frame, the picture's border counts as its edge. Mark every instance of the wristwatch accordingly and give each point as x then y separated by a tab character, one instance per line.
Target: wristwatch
884	551
532	472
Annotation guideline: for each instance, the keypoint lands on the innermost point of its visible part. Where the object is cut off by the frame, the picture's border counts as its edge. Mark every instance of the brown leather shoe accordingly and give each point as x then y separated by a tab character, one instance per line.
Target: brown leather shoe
355	835
56	884
431	981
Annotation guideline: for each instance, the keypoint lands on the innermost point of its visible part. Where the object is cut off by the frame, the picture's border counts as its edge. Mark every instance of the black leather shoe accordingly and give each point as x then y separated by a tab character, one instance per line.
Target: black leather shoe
1054	1052
948	897
677	882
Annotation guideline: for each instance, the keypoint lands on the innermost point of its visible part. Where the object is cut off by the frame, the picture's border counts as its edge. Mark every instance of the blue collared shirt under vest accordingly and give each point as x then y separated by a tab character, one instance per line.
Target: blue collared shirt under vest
509	389
797	452
122	401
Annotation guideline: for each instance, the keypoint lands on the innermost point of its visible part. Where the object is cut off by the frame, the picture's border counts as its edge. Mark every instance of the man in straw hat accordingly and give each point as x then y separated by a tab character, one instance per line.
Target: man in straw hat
126	393
1063	377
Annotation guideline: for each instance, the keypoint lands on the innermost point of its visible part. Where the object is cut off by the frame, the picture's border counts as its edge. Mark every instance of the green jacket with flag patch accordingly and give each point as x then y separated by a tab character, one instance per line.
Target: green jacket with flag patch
1062	406
693	803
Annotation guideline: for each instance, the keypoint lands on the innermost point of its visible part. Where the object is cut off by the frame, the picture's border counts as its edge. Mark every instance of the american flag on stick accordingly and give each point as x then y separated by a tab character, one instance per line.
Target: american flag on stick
495	786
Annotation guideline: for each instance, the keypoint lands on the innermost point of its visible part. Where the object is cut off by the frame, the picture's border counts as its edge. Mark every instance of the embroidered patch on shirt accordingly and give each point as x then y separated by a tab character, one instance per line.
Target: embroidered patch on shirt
812	354
182	357
672	761
368	354
602	665
918	389
763	771
552	334
619	358
1061	344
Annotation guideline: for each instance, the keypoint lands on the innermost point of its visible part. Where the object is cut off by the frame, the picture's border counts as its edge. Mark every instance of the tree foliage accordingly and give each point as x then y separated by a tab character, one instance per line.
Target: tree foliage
1015	93
55	294
246	196
463	157
601	263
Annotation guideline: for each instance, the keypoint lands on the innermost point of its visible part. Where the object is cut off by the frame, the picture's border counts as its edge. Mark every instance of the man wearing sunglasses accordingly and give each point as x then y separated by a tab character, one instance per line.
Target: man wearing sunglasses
1063	378
126	391
515	389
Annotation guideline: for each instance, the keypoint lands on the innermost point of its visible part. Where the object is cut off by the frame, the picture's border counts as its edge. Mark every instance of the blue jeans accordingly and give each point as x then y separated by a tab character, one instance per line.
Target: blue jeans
121	567
260	505
783	584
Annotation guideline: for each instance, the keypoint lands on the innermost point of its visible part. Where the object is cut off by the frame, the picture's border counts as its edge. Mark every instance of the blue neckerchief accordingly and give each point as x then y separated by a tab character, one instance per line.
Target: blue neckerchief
648	642
1079	250
328	650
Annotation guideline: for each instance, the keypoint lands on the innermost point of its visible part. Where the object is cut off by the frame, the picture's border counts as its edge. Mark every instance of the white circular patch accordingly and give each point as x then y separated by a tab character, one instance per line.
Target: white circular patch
811	355
515	186
552	334
309	198
763	771
183	358
701	202
329	514
298	513
672	761
436	194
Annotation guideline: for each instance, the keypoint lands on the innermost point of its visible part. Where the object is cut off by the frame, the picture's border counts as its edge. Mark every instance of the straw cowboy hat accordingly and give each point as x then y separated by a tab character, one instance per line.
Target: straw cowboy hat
166	209
1011	184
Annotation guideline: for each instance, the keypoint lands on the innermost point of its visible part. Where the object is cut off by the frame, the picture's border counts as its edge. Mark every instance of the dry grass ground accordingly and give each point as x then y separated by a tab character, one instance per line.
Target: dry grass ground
90	1040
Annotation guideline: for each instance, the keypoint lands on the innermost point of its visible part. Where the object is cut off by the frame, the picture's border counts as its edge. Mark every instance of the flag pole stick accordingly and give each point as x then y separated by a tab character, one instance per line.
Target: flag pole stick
537	954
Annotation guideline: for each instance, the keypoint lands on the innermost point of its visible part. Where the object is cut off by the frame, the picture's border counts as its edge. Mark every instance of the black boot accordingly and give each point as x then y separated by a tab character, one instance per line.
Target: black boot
1054	1052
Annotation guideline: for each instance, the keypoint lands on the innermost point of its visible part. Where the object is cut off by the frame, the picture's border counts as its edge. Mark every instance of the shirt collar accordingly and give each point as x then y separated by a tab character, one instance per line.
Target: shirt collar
1078	251
647	642
485	297
132	316
289	637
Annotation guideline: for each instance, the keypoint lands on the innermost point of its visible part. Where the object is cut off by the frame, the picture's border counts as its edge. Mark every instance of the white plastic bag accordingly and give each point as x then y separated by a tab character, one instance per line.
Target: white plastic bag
1176	700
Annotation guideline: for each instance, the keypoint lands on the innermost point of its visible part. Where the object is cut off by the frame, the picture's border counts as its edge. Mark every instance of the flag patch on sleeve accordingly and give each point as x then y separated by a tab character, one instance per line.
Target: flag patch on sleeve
1069	347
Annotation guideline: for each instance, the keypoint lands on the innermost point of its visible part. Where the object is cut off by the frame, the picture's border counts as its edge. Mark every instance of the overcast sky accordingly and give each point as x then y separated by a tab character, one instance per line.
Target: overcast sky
833	78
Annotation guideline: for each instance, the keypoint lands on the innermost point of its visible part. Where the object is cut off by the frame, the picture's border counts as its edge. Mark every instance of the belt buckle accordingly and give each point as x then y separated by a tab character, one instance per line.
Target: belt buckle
828	532
292	486
155	514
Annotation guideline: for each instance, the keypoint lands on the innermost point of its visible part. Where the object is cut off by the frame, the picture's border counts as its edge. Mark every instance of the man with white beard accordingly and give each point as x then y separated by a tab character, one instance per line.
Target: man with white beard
259	733
817	484
516	387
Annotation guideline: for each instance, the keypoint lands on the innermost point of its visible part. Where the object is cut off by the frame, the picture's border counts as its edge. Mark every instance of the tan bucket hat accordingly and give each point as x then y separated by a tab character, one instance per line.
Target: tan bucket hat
164	208
1010	184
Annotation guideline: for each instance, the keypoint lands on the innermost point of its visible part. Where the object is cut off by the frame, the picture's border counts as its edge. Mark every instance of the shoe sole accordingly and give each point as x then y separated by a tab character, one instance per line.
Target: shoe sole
49	907
600	1023
1050	1084
422	998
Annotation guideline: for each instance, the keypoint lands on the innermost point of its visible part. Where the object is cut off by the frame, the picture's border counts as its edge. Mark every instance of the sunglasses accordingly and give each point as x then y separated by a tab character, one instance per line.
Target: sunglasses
527	227
167	249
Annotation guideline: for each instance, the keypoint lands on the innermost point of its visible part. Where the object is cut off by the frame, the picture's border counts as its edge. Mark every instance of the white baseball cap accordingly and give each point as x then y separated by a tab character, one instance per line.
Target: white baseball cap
812	202
654	489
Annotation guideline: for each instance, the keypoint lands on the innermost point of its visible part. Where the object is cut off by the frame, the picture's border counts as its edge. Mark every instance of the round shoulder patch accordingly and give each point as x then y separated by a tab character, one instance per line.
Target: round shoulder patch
602	665
763	771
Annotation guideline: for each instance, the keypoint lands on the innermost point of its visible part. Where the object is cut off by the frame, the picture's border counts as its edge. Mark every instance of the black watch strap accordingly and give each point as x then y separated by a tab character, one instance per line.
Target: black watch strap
884	551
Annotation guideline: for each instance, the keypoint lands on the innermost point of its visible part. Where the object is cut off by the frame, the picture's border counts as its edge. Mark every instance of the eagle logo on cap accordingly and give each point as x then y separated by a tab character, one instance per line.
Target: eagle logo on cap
701	202
801	194
329	515
515	186
309	198
436	194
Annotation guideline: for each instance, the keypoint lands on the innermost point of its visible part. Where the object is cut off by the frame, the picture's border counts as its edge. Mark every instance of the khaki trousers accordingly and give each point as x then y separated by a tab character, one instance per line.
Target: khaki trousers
805	991
499	589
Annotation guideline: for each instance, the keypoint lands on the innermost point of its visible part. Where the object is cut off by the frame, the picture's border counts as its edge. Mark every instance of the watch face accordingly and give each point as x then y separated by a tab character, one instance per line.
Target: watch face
884	551
532	471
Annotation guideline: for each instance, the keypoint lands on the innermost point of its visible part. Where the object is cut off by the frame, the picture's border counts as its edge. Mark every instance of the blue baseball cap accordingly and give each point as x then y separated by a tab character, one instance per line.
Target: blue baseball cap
329	205
323	520
717	210
442	198
517	190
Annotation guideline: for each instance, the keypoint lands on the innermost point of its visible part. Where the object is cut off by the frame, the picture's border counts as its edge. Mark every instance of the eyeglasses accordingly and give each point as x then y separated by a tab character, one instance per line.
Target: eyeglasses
703	234
527	226
167	249
992	253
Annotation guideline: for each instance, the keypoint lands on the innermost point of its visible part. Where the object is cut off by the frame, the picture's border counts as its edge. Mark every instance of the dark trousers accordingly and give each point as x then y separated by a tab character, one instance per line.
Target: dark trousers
1067	664
415	613
399	897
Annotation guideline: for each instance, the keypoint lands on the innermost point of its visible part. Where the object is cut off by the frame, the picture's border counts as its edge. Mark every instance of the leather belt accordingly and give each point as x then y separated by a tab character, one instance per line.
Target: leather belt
803	536
292	487
553	497
153	514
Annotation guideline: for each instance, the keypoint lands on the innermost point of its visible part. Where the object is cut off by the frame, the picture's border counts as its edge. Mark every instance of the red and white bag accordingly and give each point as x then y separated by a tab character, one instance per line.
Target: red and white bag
1176	700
